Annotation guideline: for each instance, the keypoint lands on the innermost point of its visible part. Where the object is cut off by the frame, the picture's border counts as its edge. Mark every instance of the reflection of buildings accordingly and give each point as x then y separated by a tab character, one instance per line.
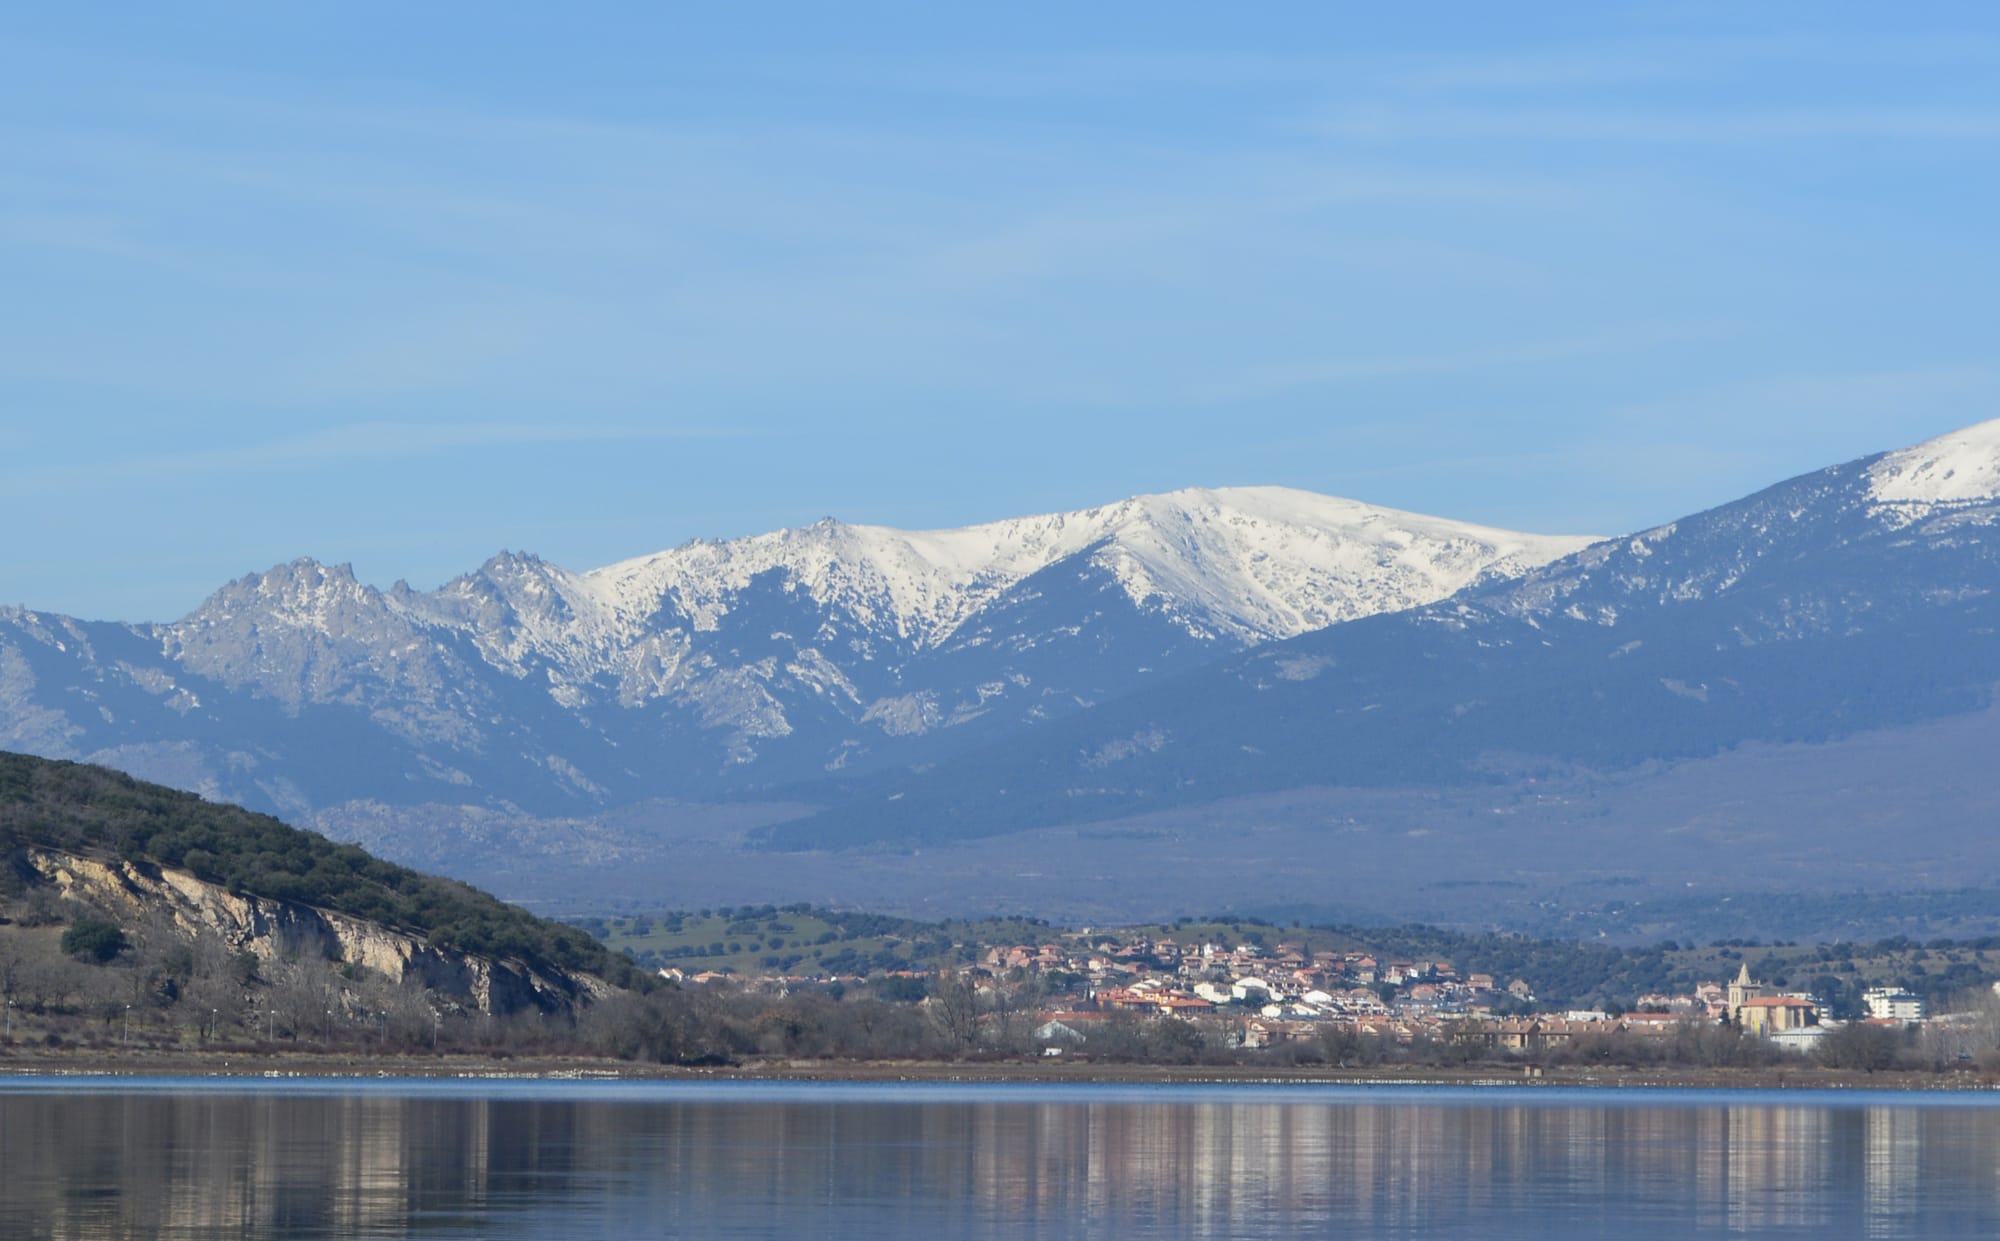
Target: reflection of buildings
1204	1163
1893	1155
1775	1171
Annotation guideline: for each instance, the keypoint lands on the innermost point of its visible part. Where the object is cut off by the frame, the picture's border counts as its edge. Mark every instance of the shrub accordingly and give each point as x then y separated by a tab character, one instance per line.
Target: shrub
93	939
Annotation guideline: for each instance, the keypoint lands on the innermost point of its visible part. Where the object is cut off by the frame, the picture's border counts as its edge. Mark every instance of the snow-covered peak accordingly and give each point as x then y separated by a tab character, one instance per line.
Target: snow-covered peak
1957	468
1262	563
518	605
1254	563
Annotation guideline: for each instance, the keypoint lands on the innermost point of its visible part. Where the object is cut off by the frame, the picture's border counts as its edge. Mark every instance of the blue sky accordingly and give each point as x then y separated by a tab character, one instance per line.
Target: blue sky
403	285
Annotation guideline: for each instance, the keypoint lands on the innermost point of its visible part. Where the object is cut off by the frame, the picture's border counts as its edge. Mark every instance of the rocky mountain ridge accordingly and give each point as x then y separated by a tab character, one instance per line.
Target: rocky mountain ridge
715	666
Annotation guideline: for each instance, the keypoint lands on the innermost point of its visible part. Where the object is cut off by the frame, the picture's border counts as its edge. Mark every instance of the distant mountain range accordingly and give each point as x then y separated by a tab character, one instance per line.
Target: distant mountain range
716	667
1861	597
1249	698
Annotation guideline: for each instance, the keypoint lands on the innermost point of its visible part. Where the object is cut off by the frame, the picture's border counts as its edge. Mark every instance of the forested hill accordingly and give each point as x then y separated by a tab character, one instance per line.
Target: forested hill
94	811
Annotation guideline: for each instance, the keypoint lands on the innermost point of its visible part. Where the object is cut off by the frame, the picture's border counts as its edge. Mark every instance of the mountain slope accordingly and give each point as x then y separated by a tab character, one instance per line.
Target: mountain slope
1860	597
96	832
714	667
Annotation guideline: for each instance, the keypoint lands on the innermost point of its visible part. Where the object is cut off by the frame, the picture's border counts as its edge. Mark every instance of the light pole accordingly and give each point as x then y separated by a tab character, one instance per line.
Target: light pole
214	1024
10	1020
270	1015
128	1025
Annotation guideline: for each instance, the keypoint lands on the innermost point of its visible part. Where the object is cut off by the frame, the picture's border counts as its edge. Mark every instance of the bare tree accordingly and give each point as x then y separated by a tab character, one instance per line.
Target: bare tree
305	996
1969	1031
953	1011
1011	1005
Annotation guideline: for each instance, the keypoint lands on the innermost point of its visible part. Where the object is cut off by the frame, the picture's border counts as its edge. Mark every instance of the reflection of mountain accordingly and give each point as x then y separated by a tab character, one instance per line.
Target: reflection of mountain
595	1161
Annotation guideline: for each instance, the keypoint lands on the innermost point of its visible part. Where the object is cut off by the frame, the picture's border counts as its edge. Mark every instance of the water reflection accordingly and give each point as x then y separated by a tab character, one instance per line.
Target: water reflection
480	1160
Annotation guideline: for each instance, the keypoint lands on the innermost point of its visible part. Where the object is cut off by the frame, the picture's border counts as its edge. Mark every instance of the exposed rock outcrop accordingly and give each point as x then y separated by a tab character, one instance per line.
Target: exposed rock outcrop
273	929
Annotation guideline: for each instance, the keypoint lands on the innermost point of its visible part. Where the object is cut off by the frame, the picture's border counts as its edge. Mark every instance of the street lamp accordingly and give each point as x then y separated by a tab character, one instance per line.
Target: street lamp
10	1020
128	1025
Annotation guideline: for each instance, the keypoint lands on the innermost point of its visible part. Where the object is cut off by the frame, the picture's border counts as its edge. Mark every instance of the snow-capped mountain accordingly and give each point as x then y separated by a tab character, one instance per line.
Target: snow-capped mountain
1957	470
716	665
1247	564
1861	597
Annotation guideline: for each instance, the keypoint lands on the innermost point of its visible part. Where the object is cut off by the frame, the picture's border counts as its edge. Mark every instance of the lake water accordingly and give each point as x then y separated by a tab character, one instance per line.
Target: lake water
119	1158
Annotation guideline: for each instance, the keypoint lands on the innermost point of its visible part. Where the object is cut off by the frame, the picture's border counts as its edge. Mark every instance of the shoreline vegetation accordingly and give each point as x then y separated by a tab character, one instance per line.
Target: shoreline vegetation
260	1063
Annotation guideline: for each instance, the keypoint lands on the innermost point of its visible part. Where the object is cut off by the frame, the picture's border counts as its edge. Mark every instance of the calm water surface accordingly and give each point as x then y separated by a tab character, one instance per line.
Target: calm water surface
116	1158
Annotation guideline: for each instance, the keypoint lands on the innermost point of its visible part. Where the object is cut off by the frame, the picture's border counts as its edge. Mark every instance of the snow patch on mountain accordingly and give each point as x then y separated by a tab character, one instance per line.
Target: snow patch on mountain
1962	467
521	610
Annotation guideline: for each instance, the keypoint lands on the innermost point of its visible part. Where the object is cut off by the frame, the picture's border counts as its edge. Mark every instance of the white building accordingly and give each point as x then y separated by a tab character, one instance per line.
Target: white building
1893	1004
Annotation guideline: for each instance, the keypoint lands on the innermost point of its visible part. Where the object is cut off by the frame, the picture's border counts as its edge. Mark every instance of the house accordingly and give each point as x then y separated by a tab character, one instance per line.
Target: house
1804	1039
1560	1031
1660	1002
1242	988
1661	1025
1115	997
1058	1033
1521	1033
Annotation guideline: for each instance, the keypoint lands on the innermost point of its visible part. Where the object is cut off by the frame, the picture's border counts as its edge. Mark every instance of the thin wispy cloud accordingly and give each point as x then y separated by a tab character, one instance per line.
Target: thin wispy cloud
1581	63
1265	381
333	446
1845	413
1712	127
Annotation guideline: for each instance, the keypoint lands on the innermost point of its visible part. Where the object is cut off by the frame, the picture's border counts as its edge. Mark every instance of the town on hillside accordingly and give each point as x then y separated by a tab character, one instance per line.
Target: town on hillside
1250	996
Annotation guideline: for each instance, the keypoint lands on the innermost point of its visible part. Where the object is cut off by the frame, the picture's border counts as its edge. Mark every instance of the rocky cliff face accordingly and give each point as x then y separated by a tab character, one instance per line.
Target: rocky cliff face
273	929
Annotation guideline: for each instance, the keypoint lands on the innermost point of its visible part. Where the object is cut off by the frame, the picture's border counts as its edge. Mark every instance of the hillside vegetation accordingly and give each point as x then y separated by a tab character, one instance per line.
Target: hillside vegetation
91	810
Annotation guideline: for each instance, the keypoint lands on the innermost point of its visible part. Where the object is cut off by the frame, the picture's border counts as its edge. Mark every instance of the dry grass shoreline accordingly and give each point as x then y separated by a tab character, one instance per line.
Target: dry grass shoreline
239	1064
